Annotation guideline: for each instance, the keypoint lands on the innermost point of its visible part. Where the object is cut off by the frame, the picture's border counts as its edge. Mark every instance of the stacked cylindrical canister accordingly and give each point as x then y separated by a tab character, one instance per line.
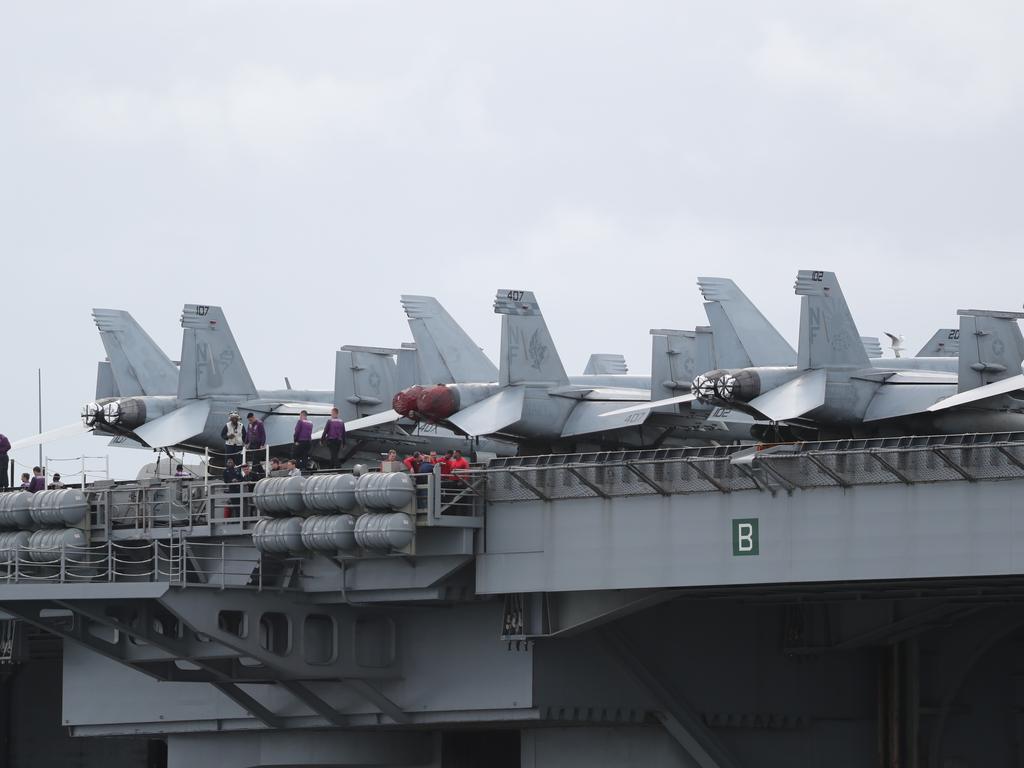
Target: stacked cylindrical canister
372	498
16	510
11	543
45	509
46	545
51	512
279	495
59	507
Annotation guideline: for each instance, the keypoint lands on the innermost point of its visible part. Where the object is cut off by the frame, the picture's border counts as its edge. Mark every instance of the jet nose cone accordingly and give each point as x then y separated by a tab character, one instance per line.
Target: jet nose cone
90	412
404	402
437	403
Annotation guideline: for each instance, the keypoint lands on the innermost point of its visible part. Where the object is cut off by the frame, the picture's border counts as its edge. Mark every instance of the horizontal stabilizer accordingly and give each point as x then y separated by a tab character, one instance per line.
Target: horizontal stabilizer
893	401
793	399
687	398
491	414
60	433
996	388
123	441
589	417
606	364
175	427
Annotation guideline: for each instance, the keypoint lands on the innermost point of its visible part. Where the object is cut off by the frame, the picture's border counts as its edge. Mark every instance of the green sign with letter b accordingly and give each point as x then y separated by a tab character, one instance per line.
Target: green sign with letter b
744	536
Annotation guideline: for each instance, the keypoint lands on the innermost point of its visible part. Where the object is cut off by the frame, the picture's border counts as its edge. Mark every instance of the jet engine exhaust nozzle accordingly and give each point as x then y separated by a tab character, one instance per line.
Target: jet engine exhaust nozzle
90	413
437	403
404	402
703	387
112	412
725	387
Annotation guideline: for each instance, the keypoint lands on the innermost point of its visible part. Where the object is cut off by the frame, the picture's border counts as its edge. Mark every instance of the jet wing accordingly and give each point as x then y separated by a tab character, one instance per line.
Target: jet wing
1001	387
373	420
892	401
793	399
292	409
912	376
491	414
590	416
603	394
689	397
176	426
60	433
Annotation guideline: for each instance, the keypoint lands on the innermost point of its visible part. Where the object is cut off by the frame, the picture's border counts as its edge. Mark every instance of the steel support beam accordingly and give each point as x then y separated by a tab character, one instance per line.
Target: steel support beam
529	486
954	466
301	692
890	468
827	470
249	704
378	699
696	467
592	486
681	722
643	476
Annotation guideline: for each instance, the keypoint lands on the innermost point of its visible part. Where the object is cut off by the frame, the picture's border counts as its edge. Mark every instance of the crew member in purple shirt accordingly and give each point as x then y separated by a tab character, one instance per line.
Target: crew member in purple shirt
5	446
334	436
303	438
38	482
255	434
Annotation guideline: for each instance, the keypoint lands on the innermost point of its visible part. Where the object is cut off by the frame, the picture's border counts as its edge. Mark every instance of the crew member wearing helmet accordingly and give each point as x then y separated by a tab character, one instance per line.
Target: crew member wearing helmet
233	435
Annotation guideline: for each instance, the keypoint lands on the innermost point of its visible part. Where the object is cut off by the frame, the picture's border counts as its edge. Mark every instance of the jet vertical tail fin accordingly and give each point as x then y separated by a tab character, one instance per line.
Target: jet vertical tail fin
365	379
528	353
872	346
828	333
729	350
606	364
991	347
105	384
211	363
673	362
447	353
408	367
945	343
760	340
137	364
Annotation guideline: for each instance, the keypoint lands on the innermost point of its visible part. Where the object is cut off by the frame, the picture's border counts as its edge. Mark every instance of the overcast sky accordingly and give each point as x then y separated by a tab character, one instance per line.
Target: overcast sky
304	163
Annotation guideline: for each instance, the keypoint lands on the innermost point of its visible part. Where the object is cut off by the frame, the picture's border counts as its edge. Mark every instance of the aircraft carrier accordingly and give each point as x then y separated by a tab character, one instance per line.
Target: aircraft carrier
850	603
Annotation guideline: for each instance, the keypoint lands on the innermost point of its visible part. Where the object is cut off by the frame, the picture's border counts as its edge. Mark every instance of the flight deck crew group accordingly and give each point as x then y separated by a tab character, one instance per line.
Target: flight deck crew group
253	436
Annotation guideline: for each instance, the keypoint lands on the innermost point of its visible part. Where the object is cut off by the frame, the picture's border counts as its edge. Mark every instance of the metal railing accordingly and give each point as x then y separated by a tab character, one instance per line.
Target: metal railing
158	507
725	469
179	562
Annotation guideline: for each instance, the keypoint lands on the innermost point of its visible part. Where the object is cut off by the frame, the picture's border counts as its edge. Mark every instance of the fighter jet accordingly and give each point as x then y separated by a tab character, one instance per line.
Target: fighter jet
144	399
835	389
530	397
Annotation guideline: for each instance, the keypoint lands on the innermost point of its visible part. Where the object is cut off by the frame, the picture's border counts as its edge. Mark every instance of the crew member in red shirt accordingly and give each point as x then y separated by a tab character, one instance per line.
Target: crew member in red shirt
458	462
412	463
